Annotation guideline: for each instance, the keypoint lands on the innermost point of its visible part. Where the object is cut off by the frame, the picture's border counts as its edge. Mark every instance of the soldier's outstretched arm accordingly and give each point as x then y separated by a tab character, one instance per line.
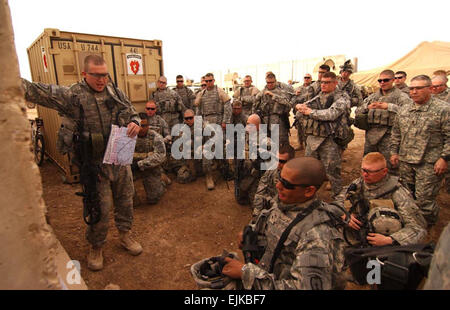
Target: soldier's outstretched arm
48	95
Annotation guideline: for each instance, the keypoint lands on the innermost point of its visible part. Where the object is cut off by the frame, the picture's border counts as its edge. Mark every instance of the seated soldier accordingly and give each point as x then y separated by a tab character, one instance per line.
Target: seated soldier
248	170
188	169
267	184
149	155
300	244
384	205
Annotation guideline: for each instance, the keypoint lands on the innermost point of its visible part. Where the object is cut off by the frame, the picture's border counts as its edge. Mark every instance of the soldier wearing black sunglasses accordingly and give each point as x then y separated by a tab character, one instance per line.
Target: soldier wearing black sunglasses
303	248
377	113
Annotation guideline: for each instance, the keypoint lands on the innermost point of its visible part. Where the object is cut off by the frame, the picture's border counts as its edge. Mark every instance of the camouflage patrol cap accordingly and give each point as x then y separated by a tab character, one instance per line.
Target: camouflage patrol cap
347	66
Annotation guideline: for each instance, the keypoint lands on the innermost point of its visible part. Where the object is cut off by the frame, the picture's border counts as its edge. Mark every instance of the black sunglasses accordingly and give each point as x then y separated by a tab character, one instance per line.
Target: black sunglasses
288	185
207	81
180	81
189	118
203	85
383	80
282	161
399	77
150	109
307	77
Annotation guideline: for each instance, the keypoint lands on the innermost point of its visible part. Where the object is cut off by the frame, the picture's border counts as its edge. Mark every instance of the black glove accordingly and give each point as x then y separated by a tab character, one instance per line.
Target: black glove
134	166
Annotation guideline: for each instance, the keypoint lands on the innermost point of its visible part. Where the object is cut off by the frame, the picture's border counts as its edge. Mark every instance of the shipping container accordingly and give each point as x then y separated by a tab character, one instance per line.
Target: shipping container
57	57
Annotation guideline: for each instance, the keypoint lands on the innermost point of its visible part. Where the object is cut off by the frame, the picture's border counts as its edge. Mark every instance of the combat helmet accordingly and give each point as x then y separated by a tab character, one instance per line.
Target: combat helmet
347	66
207	273
384	220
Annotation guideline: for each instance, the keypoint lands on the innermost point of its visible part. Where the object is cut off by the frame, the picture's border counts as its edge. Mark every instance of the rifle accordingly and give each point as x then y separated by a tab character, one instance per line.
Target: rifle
239	167
250	249
362	217
89	172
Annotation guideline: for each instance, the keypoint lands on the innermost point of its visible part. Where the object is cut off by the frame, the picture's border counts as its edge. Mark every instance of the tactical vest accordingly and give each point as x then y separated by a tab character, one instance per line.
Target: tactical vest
143	146
246	106
211	103
380	117
316	127
166	101
184	94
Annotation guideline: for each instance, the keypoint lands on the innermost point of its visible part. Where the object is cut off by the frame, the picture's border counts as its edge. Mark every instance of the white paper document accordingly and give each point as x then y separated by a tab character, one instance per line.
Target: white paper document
120	148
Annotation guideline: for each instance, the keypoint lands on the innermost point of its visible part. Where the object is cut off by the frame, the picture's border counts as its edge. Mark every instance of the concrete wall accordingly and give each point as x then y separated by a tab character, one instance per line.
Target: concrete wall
28	246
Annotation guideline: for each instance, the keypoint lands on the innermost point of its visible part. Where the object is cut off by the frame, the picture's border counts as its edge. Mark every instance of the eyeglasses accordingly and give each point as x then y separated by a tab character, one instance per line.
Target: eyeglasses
180	81
270	82
162	82
411	88
203	85
288	185
326	82
99	75
307	77
436	86
151	109
383	80
188	118
208	81
399	77
371	171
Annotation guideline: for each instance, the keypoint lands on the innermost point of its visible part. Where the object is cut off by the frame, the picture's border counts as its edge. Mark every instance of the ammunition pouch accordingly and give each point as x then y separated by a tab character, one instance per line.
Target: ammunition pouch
361	121
345	136
380	117
315	127
402	267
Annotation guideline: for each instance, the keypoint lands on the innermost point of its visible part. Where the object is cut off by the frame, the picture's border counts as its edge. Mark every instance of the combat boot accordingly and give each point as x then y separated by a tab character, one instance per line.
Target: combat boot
209	181
165	178
133	247
95	259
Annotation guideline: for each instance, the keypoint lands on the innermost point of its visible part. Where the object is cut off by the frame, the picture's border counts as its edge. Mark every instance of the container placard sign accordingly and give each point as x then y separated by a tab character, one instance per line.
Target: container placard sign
134	64
44	59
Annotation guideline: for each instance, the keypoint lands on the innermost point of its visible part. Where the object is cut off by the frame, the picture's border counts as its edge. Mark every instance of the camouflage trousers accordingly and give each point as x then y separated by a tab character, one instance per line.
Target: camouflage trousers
301	137
425	185
115	187
154	187
383	147
329	153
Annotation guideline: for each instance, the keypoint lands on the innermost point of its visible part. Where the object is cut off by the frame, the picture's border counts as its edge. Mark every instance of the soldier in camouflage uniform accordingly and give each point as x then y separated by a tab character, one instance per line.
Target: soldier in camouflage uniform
314	89
213	104
169	103
266	189
149	155
189	169
186	94
440	89
400	78
158	124
102	106
312	257
237	116
347	85
300	96
246	95
377	186
272	105
326	125
379	111
439	273
420	143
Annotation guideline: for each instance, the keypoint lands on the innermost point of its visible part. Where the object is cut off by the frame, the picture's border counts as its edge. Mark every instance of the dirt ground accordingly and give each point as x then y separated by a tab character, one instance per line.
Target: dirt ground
188	224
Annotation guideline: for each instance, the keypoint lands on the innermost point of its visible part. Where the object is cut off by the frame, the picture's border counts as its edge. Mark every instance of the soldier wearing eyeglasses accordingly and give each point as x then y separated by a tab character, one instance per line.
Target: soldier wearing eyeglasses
327	128
186	94
169	103
311	256
439	88
214	105
377	113
94	104
391	214
420	145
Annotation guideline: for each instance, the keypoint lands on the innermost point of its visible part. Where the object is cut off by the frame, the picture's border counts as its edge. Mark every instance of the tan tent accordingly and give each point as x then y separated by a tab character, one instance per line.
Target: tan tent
426	58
